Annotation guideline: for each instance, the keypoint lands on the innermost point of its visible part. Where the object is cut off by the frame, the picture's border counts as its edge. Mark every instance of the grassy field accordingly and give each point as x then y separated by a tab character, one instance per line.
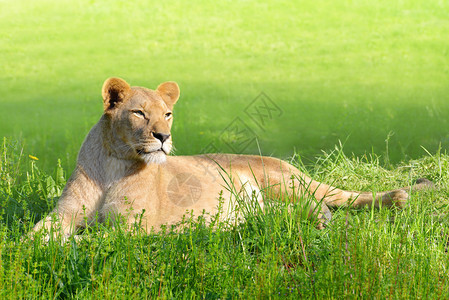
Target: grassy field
373	74
338	70
395	254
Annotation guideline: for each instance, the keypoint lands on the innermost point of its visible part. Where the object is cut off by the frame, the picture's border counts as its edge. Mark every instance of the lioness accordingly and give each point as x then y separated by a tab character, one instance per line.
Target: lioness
123	168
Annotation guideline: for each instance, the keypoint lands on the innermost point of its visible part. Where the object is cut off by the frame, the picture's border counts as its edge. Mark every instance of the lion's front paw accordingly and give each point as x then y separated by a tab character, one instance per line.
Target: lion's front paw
51	228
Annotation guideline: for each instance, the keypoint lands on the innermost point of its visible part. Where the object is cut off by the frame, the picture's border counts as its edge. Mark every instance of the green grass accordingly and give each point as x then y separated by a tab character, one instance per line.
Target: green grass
339	70
372	74
362	253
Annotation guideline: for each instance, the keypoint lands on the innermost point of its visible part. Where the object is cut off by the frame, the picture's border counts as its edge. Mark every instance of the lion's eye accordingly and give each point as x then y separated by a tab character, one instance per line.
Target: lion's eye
139	113
168	115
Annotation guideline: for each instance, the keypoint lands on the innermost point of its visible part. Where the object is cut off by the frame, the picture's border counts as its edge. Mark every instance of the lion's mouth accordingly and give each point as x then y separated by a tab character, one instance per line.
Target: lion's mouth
144	152
157	156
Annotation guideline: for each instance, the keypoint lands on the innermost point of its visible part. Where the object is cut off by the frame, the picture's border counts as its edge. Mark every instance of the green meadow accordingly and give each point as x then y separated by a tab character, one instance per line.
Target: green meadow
372	76
358	72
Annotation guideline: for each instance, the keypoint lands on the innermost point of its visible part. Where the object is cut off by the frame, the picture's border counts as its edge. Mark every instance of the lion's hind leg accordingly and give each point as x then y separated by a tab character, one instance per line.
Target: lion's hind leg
393	198
286	184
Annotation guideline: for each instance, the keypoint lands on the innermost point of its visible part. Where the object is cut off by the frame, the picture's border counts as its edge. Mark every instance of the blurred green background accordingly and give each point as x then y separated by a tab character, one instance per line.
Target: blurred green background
355	71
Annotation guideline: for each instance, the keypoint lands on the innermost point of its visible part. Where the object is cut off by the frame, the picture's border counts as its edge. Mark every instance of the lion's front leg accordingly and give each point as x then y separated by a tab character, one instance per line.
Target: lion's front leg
80	200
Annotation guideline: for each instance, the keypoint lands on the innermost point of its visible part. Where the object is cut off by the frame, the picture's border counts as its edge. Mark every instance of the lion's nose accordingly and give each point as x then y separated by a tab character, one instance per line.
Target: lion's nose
161	136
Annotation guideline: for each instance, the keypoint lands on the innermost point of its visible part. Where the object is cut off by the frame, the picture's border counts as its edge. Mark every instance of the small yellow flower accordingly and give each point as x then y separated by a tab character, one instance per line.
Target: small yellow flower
33	157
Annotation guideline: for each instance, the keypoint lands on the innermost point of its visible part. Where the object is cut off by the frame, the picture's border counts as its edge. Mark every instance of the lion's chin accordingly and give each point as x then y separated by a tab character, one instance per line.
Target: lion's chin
156	157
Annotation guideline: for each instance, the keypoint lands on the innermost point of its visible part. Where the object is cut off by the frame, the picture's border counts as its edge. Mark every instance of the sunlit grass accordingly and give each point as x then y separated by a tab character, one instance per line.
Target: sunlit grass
339	70
276	253
361	72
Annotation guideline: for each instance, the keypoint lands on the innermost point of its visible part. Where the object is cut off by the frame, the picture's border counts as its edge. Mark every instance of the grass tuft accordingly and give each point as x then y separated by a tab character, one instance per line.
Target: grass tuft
380	253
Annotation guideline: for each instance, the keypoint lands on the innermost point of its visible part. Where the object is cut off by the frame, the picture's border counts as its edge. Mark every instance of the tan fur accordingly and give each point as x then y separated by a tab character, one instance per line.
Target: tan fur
123	168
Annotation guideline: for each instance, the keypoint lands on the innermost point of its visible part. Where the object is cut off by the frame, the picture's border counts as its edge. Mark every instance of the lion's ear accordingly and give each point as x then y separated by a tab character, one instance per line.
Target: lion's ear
114	91
169	92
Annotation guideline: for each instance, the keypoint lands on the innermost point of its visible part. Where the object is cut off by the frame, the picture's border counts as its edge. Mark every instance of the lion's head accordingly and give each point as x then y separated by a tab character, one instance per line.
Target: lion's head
138	120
